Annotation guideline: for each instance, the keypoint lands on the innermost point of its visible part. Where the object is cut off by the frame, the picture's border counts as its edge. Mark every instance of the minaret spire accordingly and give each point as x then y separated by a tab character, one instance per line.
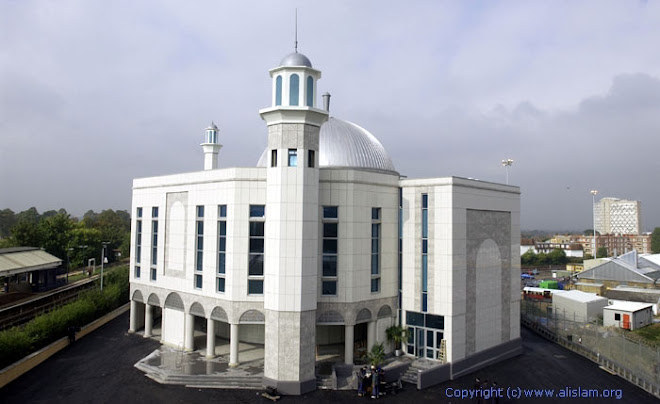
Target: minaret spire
295	45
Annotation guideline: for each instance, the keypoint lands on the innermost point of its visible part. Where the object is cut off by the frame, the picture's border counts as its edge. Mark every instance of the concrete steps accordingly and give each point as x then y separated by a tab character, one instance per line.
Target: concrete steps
410	375
203	381
324	382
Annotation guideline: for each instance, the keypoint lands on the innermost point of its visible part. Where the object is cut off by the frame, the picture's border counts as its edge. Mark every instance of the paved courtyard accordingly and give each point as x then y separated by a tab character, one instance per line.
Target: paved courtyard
100	369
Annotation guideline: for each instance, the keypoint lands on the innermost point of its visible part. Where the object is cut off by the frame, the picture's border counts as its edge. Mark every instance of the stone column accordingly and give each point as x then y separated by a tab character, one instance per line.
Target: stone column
349	338
371	334
210	338
148	320
132	324
233	345
189	341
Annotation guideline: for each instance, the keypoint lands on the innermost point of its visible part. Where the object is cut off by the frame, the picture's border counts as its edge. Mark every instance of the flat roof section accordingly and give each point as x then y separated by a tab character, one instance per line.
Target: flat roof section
628	306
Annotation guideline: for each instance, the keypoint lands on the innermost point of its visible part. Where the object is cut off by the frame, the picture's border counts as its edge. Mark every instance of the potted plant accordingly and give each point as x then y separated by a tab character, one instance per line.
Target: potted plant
376	355
397	335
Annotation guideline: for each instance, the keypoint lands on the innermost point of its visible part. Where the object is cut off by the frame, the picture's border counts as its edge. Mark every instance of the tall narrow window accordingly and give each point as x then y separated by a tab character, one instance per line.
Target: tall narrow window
311	157
310	91
278	90
222	247
256	250
199	246
294	89
138	242
425	246
375	250
273	158
293	157
154	242
330	251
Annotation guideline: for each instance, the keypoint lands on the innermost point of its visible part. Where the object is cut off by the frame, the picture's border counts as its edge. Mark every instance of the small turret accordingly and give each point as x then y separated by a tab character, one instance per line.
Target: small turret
211	148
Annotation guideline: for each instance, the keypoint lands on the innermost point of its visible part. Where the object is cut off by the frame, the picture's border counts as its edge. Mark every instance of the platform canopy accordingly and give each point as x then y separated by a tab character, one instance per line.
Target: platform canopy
18	260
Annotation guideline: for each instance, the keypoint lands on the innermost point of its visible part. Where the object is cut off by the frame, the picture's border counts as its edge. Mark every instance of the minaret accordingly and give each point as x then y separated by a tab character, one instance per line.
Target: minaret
211	148
292	213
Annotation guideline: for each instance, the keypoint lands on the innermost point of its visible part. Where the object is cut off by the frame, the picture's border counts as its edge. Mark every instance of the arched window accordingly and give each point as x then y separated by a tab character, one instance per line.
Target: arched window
294	89
278	90
310	91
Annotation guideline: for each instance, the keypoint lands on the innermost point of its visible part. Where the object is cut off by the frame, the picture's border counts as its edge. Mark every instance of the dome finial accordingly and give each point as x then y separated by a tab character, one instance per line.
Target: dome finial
295	45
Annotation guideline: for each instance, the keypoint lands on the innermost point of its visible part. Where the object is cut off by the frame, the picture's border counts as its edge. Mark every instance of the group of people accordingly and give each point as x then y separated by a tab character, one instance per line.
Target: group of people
369	380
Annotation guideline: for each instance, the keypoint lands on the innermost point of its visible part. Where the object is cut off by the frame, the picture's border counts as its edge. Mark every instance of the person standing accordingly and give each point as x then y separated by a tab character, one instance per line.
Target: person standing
362	373
375	380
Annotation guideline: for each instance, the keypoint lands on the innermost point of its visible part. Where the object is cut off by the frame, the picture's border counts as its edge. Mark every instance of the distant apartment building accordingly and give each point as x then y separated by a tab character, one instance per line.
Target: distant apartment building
570	248
617	216
616	244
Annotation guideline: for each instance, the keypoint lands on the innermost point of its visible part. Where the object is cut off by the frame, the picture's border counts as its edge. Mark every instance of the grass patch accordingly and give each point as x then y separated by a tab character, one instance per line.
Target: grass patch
650	333
18	342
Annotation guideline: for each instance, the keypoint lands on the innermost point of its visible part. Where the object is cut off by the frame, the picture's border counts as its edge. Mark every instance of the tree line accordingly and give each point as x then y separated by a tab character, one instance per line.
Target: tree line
60	234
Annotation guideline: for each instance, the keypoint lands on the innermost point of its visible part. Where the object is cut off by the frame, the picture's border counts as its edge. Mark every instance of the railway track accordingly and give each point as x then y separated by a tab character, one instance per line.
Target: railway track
24	311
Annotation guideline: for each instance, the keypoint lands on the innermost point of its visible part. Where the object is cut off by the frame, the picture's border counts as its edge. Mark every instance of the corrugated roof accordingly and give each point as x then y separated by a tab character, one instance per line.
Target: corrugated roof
16	261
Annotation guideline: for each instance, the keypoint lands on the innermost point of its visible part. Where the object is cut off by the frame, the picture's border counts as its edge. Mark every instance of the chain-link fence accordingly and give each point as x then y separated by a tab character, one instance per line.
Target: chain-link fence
609	346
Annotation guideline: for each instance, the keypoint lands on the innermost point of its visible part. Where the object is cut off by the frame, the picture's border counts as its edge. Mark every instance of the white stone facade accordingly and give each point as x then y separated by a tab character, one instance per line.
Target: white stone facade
300	253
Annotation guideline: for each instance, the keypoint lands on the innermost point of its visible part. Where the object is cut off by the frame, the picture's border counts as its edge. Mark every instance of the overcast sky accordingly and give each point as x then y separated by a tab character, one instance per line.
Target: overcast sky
96	93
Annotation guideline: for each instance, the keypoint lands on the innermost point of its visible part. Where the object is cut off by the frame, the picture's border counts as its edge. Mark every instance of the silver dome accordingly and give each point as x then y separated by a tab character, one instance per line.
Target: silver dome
295	59
345	144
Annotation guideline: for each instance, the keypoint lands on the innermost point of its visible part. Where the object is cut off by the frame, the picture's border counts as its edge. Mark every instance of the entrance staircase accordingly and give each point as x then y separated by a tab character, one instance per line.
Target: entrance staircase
410	376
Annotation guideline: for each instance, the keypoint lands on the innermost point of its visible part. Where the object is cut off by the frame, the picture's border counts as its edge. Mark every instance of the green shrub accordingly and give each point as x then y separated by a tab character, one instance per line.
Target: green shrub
18	342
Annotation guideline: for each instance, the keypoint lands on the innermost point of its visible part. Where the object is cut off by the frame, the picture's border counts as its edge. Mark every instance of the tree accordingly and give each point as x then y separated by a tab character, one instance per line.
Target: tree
114	226
655	241
82	236
601	252
7	221
528	258
56	233
590	232
396	334
542	259
557	257
90	219
26	234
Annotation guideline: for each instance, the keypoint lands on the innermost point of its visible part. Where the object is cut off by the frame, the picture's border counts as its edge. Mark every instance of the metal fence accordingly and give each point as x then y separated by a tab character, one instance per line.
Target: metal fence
608	346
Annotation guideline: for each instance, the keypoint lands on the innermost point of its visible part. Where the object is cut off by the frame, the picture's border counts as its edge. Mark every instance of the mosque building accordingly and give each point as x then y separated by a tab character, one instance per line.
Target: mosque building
324	243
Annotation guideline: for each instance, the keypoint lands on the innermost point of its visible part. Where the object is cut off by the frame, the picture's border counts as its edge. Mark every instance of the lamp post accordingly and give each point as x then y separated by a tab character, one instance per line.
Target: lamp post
594	192
506	164
83	247
68	263
105	244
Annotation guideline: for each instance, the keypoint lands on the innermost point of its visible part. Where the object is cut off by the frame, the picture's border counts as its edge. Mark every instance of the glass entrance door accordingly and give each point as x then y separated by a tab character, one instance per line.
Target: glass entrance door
424	342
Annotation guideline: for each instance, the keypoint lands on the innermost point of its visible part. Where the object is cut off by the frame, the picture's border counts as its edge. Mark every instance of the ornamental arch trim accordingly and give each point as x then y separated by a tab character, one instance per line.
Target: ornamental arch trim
153	300
219	314
137	297
330	317
196	309
363	316
252	317
384	312
174	302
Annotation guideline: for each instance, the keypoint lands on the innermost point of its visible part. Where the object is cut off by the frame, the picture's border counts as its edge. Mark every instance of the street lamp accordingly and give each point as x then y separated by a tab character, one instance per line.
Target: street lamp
506	164
594	192
83	247
68	264
105	244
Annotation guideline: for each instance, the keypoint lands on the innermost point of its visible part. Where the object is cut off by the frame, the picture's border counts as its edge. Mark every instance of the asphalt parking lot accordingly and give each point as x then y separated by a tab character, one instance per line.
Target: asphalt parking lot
99	369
